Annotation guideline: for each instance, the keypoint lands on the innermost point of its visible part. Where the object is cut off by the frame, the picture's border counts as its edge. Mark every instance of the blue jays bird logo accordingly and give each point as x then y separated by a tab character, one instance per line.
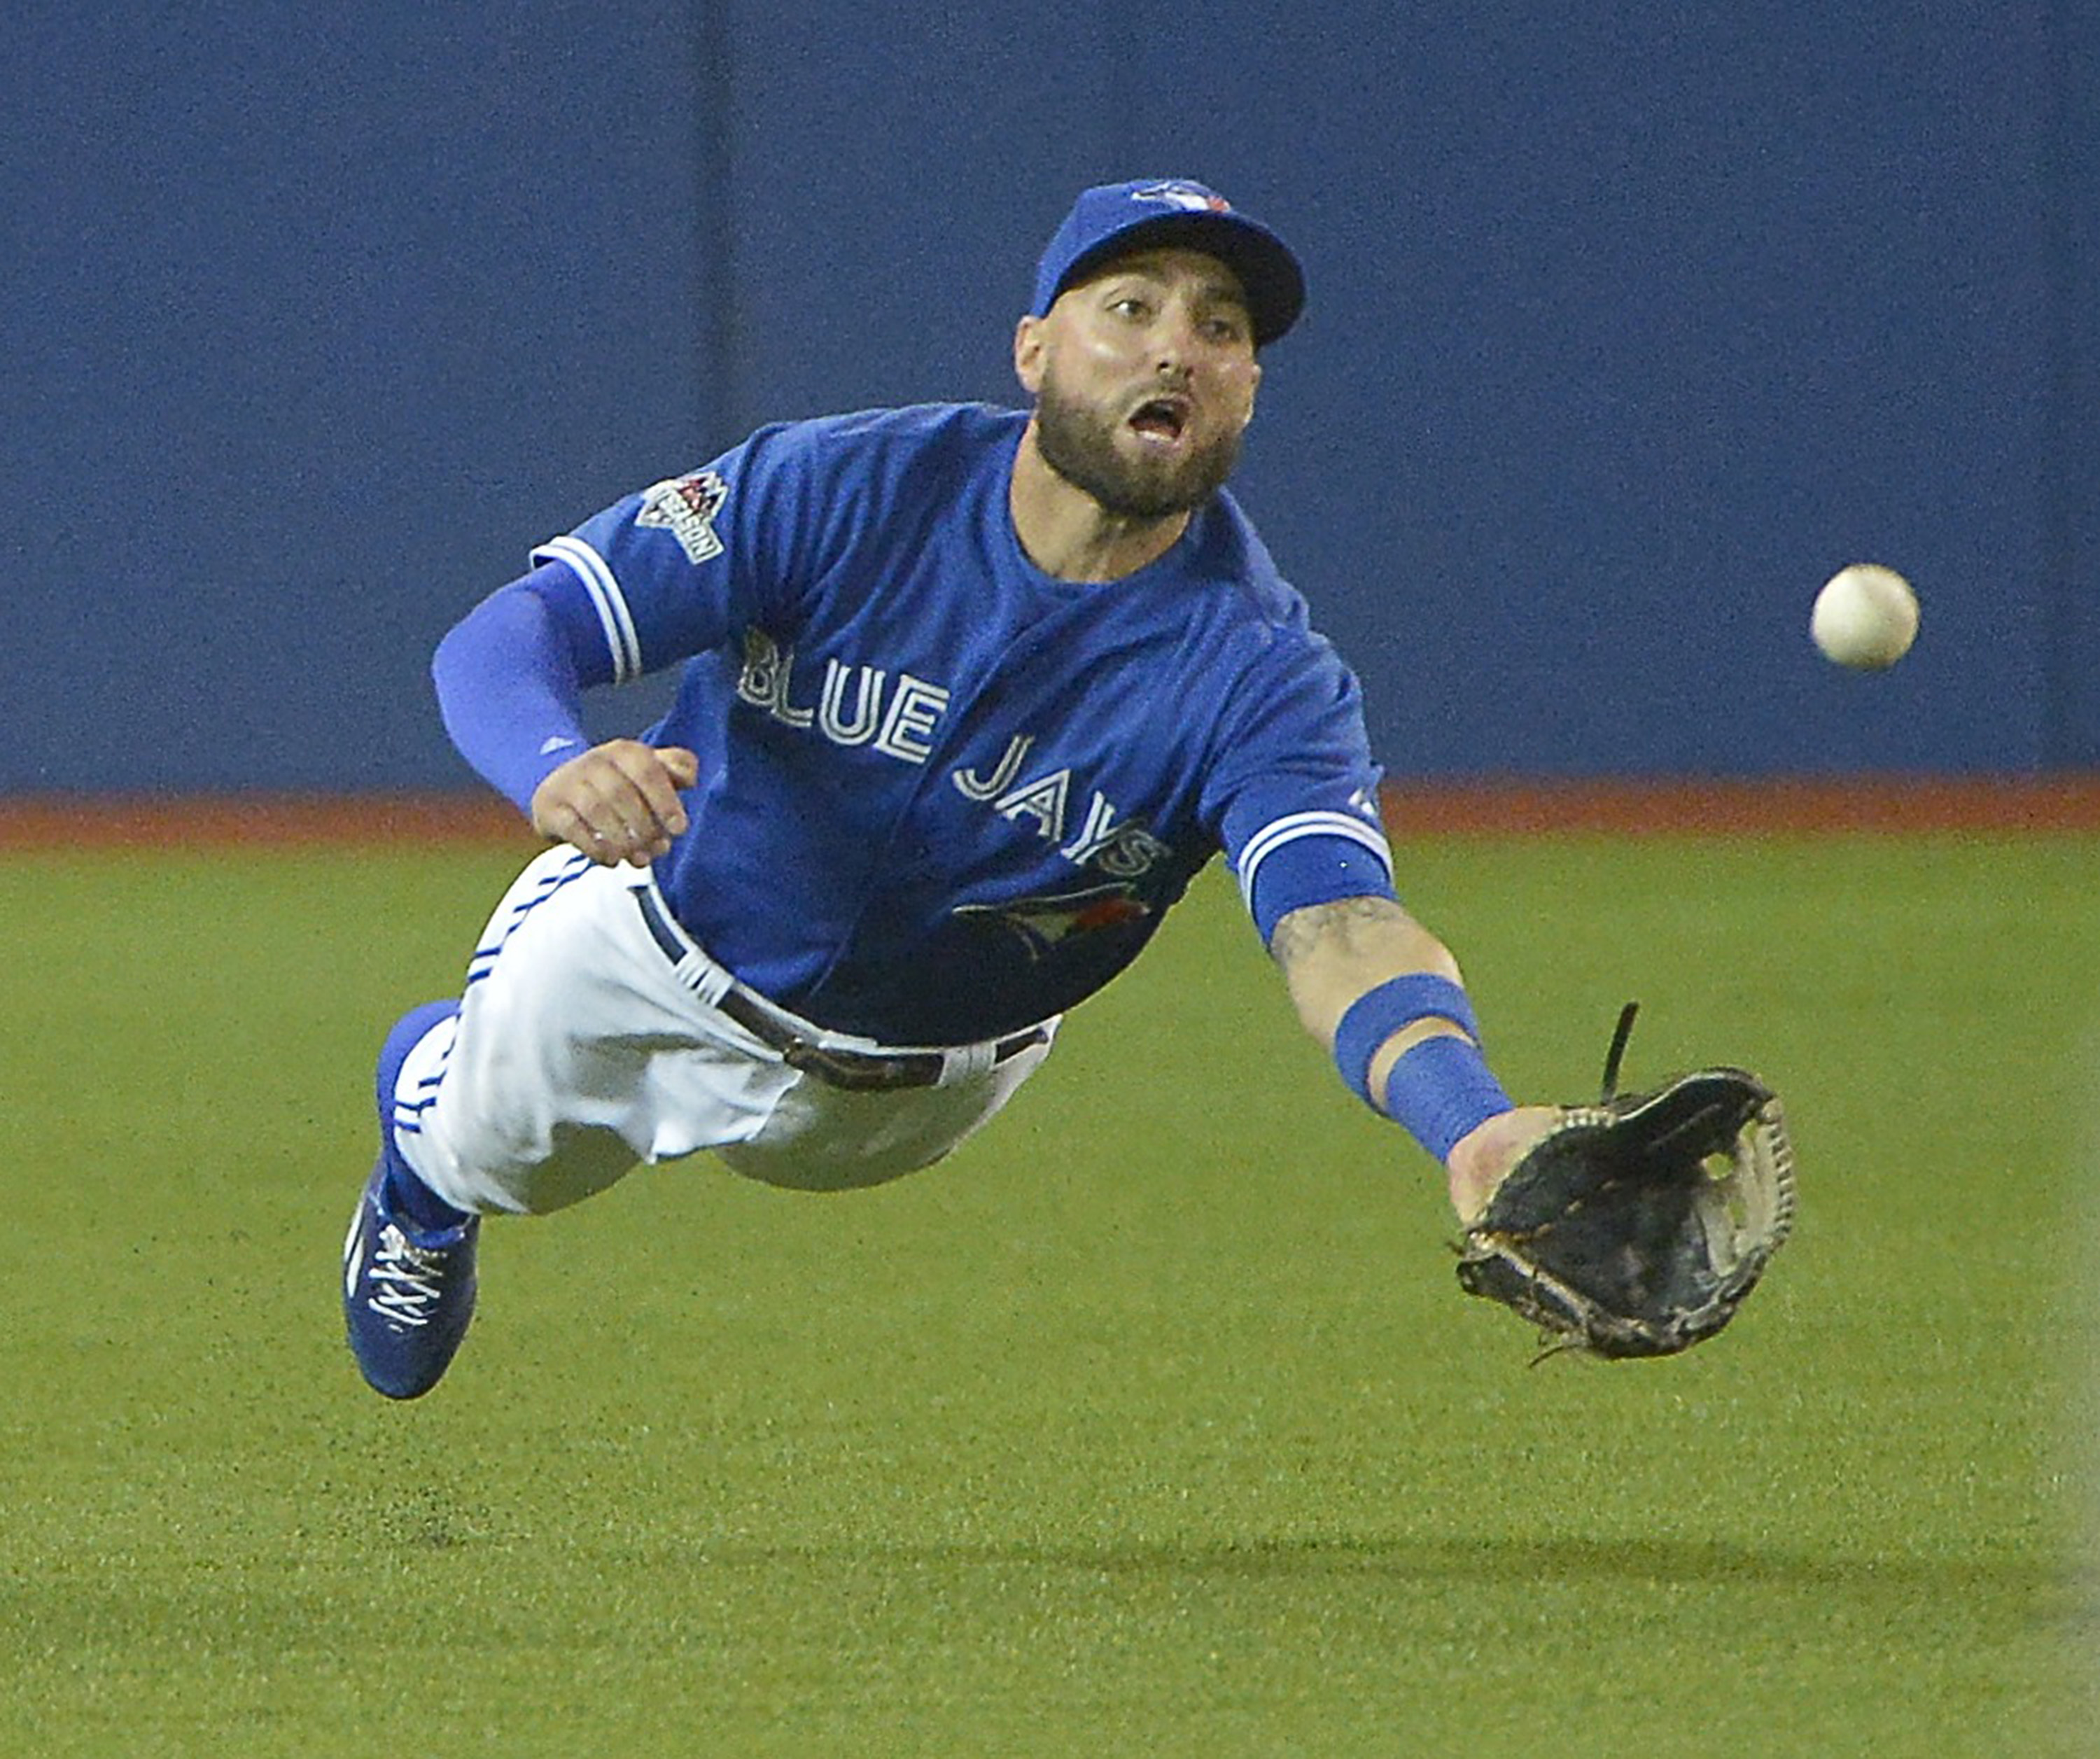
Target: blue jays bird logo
1192	197
1043	923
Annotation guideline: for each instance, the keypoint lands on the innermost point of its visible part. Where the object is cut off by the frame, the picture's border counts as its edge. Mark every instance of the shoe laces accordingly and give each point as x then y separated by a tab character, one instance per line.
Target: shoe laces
409	1280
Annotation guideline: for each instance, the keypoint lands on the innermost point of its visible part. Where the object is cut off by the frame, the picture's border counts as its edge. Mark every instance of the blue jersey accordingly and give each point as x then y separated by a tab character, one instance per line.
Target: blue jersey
943	794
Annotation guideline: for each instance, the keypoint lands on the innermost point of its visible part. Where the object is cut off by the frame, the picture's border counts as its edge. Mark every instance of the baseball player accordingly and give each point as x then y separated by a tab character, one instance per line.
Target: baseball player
968	695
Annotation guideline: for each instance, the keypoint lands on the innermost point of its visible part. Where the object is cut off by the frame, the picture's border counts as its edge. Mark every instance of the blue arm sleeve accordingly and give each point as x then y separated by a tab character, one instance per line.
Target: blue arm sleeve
510	677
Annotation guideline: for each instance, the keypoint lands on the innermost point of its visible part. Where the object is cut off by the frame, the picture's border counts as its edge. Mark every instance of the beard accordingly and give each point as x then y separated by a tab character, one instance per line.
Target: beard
1080	444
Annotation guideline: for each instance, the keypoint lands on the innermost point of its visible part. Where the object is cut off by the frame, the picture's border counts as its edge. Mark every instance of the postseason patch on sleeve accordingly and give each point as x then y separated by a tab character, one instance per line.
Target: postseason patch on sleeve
686	507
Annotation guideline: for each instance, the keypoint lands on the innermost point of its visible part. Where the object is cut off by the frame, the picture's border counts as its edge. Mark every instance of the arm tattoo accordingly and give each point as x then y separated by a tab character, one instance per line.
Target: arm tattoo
1317	924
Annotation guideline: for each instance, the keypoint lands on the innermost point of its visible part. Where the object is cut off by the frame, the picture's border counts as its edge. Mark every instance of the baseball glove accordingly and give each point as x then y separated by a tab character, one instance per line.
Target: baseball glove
1637	1226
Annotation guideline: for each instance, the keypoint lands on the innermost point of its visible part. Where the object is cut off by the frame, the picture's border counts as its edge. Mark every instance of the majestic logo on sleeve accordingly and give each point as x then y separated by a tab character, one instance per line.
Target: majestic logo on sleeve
1041	924
686	507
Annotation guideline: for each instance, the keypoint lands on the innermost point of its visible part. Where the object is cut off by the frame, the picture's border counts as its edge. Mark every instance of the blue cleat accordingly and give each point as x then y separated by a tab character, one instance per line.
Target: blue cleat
408	1285
408	1294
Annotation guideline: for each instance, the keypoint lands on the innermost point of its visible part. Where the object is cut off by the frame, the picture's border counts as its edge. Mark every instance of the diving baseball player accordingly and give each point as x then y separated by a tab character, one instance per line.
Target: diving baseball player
968	695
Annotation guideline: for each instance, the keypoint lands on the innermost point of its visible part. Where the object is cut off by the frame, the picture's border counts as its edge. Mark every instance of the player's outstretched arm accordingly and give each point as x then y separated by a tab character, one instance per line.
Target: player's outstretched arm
617	802
1384	996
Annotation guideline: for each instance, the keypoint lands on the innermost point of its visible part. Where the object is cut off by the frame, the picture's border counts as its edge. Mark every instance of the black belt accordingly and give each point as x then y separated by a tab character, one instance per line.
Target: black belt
857	1071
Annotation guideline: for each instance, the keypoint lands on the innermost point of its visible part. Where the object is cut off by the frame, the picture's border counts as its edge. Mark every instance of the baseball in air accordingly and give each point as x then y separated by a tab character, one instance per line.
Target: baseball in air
1866	617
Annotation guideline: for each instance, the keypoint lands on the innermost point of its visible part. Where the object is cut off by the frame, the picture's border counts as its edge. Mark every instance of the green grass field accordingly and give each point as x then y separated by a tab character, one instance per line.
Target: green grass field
1152	1423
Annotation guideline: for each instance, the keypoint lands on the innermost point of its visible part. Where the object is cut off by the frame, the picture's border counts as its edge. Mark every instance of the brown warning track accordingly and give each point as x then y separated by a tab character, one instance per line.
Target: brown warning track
1979	805
94	820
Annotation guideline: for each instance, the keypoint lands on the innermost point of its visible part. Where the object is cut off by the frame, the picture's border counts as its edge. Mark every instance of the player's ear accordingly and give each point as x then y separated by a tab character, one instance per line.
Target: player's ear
1253	385
1028	348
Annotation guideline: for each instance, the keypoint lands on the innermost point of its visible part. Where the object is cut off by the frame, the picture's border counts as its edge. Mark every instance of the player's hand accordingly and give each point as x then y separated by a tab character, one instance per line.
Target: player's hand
618	802
1480	1158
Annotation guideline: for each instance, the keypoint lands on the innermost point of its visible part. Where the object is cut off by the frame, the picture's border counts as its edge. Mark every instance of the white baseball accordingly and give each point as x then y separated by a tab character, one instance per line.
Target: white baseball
1866	617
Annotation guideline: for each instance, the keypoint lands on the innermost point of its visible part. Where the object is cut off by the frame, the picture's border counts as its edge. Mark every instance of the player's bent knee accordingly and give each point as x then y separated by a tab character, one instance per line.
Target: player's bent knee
796	1168
581	1163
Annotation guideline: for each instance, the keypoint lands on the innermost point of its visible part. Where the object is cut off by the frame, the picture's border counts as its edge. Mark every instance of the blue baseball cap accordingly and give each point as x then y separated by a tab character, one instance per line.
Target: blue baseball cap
1113	219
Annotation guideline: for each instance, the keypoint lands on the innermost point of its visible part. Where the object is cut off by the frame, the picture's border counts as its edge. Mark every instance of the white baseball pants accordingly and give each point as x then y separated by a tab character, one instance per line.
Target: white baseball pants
580	1049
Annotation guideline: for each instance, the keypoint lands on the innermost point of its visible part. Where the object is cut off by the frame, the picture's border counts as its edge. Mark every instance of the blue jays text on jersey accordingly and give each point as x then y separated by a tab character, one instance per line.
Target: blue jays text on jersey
942	794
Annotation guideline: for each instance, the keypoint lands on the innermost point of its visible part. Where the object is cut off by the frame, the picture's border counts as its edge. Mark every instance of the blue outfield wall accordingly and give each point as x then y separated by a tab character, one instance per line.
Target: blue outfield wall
1626	331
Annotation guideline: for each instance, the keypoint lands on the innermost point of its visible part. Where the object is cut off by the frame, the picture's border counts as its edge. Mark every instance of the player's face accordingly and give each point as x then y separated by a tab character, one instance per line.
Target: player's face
1144	380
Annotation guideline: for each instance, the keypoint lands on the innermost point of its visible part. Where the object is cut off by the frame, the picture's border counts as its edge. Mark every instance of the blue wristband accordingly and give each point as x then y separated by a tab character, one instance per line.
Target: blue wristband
1376	1015
1443	1090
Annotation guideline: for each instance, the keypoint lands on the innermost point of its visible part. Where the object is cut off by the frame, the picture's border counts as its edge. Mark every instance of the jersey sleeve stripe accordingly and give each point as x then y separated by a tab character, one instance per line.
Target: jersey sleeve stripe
1277	832
606	599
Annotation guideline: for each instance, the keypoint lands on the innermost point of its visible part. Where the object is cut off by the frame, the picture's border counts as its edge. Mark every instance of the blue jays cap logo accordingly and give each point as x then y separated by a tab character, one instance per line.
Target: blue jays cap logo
1191	198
